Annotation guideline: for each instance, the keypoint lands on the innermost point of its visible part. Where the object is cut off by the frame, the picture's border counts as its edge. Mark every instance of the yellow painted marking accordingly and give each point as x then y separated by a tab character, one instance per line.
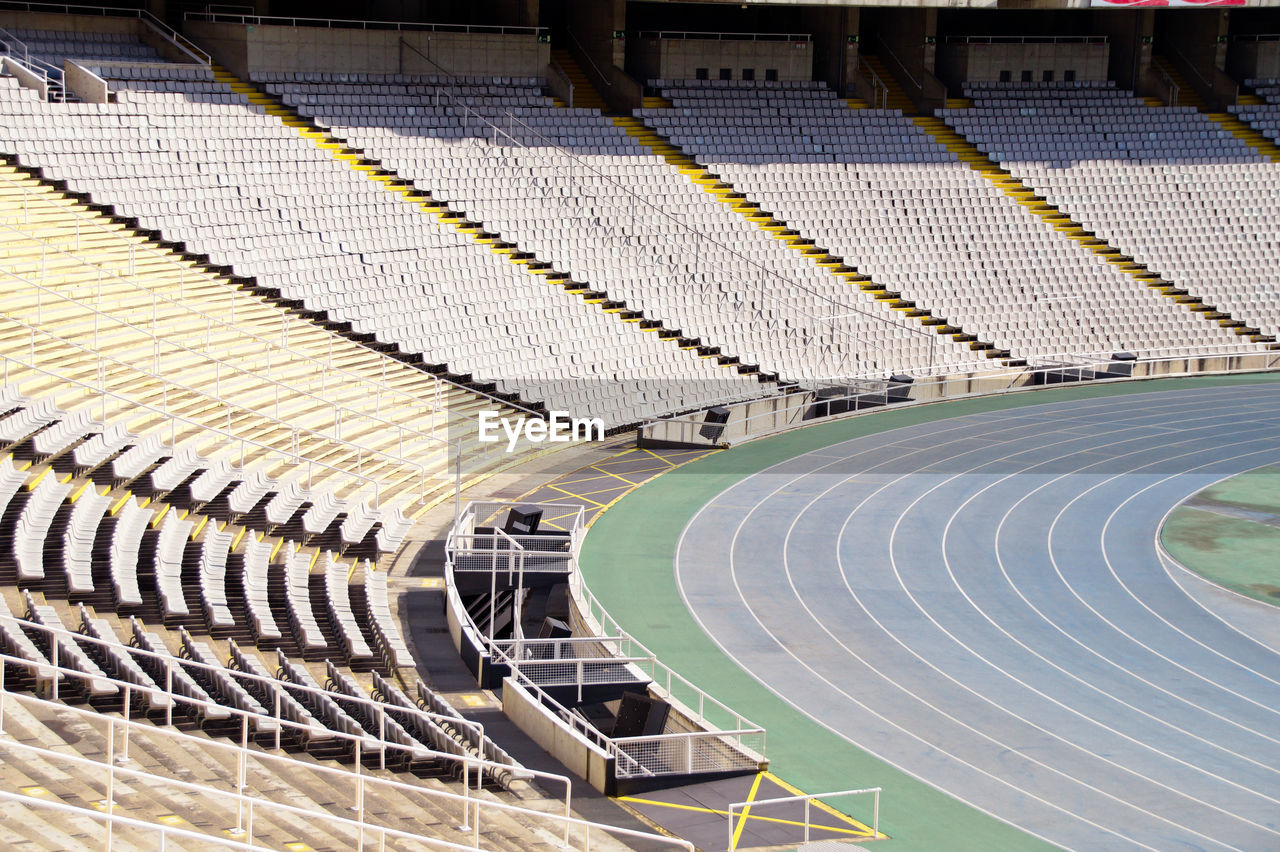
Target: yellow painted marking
31	486
235	541
297	846
33	791
155	522
432	582
615	476
757	817
171	819
561	517
119	503
312	563
578	496
746	810
658	457
473	699
276	549
820	805
76	494
351	572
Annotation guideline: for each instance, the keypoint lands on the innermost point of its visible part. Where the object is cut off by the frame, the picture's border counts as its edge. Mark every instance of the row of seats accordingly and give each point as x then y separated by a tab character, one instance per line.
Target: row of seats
1194	203
152	467
926	225
377	263
193	683
587	198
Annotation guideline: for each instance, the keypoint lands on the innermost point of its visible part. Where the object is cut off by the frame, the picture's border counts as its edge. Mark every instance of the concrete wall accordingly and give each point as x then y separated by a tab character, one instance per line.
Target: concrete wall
68	23
583	758
1129	59
680	58
1249	59
86	85
599	46
835	45
979	61
246	49
26	77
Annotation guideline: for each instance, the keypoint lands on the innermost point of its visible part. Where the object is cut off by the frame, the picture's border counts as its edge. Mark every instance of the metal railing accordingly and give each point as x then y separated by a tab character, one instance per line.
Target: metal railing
582	50
1169	84
110	820
727	740
715	36
886	50
110	12
471	810
879	88
359	24
788	410
846	356
735	828
565	82
468	766
1029	39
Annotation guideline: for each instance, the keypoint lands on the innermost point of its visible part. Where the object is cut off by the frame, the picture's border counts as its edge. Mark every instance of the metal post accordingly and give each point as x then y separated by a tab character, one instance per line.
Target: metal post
111	778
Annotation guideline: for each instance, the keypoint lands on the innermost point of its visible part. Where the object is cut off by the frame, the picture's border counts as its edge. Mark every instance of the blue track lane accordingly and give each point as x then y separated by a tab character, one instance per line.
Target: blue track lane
981	602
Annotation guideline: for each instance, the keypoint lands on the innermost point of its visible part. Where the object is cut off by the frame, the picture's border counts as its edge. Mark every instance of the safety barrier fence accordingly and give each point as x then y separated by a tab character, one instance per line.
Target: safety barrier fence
769	415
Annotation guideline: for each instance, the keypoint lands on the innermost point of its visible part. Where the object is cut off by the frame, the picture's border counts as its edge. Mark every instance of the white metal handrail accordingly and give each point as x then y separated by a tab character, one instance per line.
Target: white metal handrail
719	36
470	804
360	24
468	764
327	364
246	805
888	51
603	77
295	430
111	819
617	647
108	11
1027	39
735	829
564	80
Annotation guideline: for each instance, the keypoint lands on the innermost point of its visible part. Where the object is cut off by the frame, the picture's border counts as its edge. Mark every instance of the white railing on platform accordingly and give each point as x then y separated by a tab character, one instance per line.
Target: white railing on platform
736	826
726	741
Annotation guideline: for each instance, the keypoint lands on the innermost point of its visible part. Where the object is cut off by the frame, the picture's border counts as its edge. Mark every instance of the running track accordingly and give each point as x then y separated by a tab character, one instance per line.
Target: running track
981	602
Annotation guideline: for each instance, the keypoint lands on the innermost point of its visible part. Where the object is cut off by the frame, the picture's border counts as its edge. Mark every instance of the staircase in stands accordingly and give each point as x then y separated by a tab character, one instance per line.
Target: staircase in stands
585	93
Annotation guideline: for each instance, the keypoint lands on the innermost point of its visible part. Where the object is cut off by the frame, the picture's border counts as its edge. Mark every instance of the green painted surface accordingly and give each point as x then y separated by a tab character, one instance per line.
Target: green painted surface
1240	553
628	560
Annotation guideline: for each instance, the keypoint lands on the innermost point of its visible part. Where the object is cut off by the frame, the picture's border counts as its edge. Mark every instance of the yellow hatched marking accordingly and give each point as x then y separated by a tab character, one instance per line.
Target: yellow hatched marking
757	817
746	811
822	806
